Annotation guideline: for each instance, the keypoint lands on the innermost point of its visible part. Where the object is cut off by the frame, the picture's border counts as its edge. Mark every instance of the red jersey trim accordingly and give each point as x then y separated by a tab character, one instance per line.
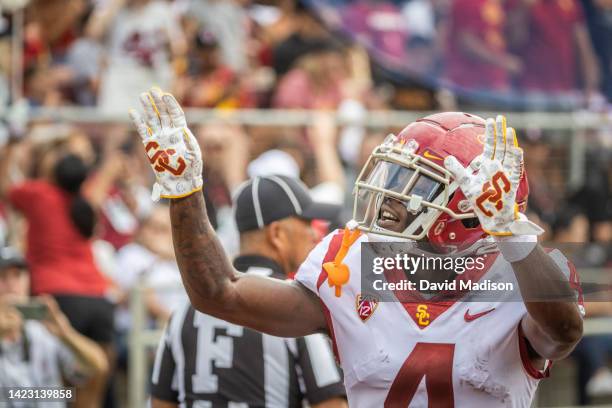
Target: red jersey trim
527	363
332	250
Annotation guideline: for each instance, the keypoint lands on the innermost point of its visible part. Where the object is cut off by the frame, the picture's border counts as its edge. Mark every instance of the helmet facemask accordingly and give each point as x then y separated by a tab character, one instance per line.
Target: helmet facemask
394	171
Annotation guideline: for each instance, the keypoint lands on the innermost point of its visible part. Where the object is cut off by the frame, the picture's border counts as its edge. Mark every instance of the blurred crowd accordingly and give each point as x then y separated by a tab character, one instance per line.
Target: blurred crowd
242	53
75	199
208	53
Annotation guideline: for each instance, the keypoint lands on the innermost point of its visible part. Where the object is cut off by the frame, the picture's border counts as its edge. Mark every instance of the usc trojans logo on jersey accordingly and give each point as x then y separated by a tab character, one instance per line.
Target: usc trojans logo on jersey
422	315
366	305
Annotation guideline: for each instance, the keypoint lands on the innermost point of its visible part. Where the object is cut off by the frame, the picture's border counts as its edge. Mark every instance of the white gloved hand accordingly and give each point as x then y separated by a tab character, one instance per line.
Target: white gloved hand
492	190
172	149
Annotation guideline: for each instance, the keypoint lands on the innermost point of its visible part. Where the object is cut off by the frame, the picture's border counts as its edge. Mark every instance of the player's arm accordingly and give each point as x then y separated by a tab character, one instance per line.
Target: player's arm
553	325
214	287
552	328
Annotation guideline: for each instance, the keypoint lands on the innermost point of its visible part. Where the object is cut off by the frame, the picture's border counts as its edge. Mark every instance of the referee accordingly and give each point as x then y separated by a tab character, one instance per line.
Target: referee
205	362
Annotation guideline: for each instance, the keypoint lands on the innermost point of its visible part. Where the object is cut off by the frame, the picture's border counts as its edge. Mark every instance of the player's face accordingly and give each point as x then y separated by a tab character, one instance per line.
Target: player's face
397	181
14	283
394	216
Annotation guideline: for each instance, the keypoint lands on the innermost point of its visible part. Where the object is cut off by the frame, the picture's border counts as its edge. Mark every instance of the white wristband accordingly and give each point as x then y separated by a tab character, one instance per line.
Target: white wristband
516	247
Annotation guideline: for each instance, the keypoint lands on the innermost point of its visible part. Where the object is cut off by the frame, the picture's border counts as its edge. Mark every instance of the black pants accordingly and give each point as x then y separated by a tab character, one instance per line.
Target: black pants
91	316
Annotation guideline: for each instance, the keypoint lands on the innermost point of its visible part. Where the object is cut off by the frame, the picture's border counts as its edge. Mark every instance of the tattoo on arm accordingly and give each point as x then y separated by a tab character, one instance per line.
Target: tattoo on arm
204	267
216	288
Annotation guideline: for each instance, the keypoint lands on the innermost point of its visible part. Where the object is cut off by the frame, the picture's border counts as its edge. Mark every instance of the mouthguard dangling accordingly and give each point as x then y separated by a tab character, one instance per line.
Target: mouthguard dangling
338	273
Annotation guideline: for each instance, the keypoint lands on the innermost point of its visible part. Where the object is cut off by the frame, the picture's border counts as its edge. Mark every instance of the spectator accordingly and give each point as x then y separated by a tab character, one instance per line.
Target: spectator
570	225
60	224
116	190
40	353
554	44
84	59
379	25
261	370
226	20
139	34
44	85
51	29
476	54
544	199
210	83
149	261
316	80
595	195
303	34
288	159
592	353
227	152
599	17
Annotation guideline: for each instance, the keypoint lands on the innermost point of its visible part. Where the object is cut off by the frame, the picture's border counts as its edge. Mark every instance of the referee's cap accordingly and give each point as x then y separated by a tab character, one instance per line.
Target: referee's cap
262	200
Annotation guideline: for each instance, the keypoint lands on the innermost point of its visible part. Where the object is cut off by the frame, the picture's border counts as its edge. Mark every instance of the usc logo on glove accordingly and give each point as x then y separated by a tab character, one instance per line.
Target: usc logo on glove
161	159
492	192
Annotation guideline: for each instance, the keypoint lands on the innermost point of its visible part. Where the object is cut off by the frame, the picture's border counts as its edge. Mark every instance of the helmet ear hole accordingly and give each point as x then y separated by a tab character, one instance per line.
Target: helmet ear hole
471	222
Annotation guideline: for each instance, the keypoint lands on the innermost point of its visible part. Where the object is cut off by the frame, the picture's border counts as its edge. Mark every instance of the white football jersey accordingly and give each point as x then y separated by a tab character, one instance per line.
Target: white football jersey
424	353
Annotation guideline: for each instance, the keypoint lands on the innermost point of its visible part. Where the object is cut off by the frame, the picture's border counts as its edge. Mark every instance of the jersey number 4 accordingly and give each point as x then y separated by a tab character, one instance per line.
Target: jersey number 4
434	361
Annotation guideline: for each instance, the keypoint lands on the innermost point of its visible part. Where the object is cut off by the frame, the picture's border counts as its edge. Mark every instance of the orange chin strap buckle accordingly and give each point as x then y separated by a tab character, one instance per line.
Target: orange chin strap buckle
338	273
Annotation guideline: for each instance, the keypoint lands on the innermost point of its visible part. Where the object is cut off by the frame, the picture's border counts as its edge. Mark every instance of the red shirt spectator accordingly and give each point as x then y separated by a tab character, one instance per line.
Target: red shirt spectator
296	91
476	46
218	89
117	223
549	50
59	257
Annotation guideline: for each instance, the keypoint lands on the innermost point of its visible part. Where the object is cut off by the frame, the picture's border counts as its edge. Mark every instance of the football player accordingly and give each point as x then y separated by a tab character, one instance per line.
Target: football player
452	180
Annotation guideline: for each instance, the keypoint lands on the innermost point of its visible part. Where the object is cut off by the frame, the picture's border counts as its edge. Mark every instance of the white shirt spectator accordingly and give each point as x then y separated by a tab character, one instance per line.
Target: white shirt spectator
227	21
135	264
38	359
138	54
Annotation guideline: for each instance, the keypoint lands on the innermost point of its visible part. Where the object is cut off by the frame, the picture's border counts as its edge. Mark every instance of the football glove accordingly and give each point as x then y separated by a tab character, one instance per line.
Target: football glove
170	146
491	189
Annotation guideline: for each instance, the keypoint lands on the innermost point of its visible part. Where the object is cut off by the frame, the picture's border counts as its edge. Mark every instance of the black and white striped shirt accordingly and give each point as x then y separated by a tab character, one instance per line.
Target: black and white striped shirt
205	362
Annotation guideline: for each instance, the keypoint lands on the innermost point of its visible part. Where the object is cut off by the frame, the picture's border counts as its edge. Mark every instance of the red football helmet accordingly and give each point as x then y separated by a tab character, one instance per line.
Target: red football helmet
409	168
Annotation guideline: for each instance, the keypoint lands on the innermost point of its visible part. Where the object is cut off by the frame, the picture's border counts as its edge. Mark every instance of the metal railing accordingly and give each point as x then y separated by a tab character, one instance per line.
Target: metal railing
575	123
295	117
